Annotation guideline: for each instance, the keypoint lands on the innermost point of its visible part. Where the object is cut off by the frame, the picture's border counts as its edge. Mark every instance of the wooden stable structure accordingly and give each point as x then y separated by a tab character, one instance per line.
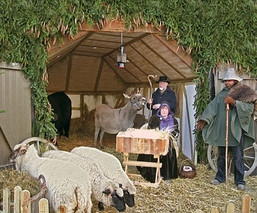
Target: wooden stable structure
86	65
141	141
15	108
88	62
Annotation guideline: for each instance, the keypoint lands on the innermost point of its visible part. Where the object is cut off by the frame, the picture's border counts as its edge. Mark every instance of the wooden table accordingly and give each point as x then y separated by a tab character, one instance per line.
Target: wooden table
139	141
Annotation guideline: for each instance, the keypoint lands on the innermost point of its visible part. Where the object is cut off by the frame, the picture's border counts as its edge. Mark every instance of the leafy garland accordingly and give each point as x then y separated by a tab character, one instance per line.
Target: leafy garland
212	31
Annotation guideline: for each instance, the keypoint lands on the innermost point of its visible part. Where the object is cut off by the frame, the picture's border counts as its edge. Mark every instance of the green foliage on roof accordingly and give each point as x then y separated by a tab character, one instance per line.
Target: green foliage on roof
212	31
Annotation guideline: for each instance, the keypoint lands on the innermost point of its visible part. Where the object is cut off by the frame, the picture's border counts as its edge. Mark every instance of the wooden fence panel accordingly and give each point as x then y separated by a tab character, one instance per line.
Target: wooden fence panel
17	192
62	209
6	200
43	205
25	202
246	204
215	210
22	203
230	207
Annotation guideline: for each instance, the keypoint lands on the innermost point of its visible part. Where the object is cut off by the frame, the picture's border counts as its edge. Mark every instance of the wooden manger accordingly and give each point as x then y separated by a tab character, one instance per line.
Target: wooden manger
143	141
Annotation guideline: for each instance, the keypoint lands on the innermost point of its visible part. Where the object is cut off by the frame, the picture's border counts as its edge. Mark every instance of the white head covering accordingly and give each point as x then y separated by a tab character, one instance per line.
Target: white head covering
232	75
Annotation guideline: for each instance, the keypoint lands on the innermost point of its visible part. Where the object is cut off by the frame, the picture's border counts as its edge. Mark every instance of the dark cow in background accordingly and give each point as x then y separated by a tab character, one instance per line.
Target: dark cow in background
61	105
113	121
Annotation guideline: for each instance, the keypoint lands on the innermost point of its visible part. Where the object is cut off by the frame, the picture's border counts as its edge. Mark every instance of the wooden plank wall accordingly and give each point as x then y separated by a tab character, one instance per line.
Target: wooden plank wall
15	99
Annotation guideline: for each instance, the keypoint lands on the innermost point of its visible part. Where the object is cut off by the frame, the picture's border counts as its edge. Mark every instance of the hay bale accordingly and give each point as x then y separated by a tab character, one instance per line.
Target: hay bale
9	178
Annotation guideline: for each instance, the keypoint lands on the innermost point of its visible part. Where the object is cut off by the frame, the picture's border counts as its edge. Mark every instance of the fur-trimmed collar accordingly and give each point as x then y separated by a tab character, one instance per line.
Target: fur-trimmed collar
243	93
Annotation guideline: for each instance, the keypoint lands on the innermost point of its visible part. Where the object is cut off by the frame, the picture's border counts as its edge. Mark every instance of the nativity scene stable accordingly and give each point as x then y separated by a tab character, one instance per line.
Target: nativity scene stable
184	41
74	49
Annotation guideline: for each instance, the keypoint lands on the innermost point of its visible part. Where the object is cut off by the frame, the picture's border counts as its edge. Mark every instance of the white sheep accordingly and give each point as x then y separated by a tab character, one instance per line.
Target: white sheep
66	183
104	189
111	168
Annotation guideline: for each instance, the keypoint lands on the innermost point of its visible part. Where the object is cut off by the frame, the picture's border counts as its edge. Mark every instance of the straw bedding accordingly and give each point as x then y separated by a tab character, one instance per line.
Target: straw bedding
178	195
9	178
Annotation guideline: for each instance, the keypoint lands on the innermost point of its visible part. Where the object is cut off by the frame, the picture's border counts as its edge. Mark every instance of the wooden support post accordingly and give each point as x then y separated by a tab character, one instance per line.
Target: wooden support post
158	171
156	165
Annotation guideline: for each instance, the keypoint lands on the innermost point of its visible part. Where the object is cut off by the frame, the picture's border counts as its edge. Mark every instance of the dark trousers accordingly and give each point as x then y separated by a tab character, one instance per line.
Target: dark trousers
238	156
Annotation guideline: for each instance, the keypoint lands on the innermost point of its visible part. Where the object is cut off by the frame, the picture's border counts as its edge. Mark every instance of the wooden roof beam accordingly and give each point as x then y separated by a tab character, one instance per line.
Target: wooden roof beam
68	51
86	55
99	74
130	61
146	59
101	47
98	40
127	70
88	52
68	74
128	43
114	70
67	43
178	51
52	63
152	50
114	35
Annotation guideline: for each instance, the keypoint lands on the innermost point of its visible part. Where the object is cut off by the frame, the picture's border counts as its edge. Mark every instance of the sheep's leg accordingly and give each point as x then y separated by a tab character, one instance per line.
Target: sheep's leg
101	139
100	206
97	130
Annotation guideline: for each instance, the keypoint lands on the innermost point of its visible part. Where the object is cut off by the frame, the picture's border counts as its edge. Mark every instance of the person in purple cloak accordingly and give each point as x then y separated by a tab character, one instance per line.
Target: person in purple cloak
164	120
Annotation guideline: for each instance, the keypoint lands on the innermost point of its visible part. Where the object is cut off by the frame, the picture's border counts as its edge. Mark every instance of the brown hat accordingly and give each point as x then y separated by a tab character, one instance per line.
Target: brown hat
163	79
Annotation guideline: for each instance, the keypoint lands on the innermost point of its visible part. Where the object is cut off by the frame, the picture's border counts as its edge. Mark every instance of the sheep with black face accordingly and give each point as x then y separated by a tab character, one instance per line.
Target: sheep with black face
66	183
104	190
111	168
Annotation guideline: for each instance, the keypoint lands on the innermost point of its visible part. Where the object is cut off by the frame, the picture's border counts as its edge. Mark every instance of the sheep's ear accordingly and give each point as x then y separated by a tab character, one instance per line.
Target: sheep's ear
107	191
119	192
132	190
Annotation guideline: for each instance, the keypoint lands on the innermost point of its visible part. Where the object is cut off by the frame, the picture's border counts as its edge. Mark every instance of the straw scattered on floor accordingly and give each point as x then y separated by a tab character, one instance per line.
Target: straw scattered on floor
177	195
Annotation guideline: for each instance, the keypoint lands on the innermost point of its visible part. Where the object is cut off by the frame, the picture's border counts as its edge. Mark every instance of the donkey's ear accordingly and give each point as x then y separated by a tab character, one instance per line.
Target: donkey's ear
126	95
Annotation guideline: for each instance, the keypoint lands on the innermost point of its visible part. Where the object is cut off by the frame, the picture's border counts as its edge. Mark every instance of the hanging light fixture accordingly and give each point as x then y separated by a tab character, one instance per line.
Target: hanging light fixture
121	57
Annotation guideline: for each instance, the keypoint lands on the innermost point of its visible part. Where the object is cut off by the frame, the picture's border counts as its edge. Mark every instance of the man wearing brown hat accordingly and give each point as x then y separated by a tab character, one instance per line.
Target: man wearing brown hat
240	128
163	93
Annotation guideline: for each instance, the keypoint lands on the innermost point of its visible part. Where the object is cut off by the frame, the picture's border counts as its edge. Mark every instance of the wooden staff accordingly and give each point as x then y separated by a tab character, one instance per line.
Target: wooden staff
151	91
226	158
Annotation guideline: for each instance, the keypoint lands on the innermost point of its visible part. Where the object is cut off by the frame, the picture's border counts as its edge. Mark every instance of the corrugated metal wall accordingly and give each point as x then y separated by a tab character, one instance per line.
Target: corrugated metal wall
15	100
